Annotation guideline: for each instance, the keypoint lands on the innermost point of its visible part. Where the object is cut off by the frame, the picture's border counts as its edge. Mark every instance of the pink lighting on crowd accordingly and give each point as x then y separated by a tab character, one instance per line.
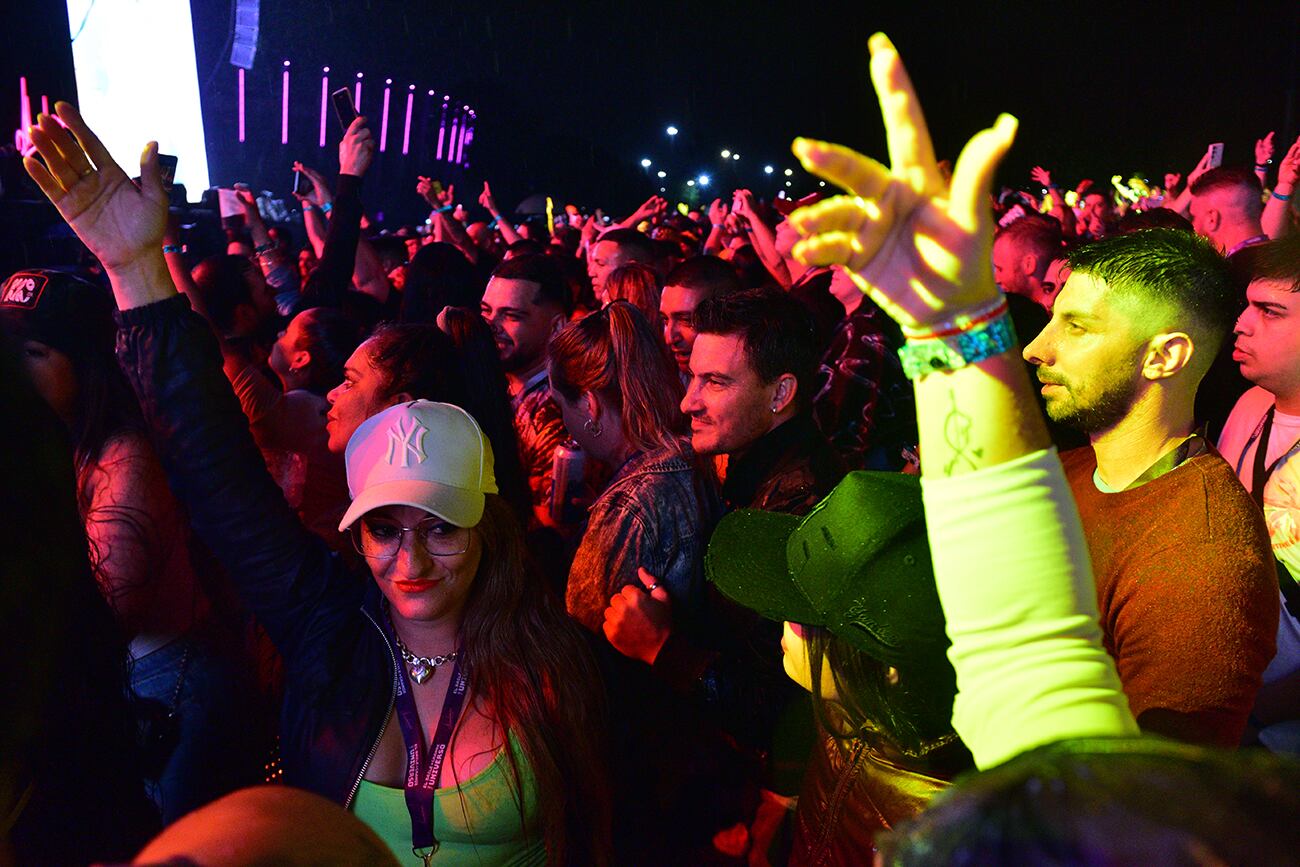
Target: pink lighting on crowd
406	131
324	101
383	123
241	103
356	100
284	105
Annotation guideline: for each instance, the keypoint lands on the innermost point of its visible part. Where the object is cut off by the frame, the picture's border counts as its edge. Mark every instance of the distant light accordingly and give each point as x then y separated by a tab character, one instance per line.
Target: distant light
735	156
821	183
446	98
431	93
361	75
789	172
672	130
388	81
691	182
411	87
663	190
467	108
662	173
768	170
326	69
286	63
726	154
645	163
788	183
703	180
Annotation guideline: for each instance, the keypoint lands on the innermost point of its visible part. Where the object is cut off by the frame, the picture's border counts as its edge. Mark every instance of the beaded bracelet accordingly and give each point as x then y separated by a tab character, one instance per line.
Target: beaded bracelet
960	323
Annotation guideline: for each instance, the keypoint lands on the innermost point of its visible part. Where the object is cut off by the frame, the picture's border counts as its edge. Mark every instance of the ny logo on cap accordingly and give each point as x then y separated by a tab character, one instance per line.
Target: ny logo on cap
404	443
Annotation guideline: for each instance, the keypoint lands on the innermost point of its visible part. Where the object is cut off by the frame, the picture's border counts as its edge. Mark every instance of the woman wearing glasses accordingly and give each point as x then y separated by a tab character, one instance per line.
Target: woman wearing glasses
448	701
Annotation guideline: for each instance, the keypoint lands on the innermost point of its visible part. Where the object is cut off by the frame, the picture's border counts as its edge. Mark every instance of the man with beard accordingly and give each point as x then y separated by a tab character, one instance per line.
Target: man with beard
1185	579
526	301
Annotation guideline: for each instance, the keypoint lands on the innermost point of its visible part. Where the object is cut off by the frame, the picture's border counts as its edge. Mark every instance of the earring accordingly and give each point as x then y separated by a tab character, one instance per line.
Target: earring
592	428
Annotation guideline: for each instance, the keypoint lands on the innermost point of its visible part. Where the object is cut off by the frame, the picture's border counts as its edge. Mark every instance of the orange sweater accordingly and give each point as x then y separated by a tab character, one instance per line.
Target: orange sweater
1187	592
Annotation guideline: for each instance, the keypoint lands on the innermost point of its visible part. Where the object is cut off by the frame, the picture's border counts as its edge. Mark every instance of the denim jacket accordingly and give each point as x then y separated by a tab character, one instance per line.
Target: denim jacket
658	513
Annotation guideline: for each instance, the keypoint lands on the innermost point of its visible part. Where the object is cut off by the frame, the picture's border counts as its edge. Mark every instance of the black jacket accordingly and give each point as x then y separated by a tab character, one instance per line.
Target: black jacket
340	674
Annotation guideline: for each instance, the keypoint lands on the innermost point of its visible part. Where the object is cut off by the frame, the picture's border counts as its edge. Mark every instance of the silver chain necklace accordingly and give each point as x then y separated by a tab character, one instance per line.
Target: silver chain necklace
421	667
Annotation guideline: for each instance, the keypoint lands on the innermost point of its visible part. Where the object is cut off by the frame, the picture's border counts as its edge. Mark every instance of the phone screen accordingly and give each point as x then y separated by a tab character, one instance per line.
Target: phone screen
301	184
1216	155
344	110
167	168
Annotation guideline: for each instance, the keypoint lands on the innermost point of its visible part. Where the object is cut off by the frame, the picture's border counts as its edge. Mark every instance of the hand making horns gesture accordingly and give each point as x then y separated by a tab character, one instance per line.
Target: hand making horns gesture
919	247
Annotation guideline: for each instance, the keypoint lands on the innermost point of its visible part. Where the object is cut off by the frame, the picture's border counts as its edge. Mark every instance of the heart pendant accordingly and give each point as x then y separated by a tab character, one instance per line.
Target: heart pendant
420	672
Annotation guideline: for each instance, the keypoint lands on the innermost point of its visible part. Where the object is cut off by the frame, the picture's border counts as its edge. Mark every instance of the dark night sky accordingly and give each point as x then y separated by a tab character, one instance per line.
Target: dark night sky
572	96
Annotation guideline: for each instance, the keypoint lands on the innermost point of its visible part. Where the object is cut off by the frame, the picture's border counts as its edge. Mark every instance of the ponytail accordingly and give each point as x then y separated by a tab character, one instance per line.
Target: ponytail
615	353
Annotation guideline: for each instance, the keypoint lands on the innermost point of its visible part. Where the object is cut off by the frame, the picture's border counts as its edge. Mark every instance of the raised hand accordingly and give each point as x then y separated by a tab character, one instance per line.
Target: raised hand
638	621
717	212
918	246
652	206
1201	168
1264	150
742	202
447	196
1288	173
1172	180
485	199
424	186
1040	175
121	224
321	192
357	149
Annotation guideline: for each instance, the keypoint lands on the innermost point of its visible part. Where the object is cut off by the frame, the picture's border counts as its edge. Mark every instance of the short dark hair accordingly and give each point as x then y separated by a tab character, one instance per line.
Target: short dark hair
1276	260
634	246
1169	267
552	285
776	329
1239	179
1037	234
708	275
1153	218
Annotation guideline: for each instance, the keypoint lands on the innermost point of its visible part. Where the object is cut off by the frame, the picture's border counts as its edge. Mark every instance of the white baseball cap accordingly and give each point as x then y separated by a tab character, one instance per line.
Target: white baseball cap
432	456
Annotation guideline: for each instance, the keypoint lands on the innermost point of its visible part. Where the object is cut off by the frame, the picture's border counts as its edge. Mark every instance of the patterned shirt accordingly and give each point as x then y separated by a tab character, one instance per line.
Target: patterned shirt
540	428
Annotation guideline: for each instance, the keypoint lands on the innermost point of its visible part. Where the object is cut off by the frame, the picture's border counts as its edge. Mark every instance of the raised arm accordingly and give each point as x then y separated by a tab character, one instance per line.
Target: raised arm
508	233
1276	219
1010	560
171	357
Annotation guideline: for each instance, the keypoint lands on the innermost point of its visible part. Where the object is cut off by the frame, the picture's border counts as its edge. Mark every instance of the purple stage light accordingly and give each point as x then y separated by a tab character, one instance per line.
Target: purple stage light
324	102
455	137
442	132
460	145
241	103
383	123
284	105
406	131
356	100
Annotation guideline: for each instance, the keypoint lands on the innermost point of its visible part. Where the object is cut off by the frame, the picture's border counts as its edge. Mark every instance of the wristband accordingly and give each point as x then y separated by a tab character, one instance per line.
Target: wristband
1280	197
264	248
716	225
1262	167
173	248
445	208
991	338
959	323
327	207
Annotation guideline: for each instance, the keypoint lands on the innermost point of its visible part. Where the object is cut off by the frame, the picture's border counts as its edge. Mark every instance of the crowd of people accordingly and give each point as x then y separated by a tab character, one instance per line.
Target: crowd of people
733	536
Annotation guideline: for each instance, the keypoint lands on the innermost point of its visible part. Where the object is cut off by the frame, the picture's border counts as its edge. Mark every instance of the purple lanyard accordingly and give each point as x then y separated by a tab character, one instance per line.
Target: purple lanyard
423	770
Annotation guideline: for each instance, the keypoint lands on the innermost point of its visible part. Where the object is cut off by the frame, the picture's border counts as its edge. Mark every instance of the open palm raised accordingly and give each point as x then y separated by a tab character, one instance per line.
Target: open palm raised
917	245
119	222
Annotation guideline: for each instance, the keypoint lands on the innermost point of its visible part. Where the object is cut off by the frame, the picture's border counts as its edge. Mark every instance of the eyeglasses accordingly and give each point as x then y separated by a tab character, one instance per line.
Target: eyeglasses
381	538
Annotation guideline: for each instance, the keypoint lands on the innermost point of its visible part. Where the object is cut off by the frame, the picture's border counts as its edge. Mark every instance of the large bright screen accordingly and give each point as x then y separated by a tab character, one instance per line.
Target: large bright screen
137	81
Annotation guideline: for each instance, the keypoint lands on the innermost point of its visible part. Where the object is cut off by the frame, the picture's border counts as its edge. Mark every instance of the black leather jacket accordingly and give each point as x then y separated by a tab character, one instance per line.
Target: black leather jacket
340	675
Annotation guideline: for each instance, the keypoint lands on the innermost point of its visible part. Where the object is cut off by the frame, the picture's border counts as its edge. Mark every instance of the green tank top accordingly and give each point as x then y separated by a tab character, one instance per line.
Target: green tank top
477	824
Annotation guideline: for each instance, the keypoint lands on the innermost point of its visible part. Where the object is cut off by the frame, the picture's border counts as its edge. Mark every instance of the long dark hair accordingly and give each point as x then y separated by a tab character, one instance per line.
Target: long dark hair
529	661
483	377
908	710
616	354
330	336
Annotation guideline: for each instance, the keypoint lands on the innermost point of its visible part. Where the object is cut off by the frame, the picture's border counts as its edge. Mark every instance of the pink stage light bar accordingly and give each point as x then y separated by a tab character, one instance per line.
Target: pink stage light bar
284	105
406	131
324	101
442	129
241	103
383	122
455	136
356	99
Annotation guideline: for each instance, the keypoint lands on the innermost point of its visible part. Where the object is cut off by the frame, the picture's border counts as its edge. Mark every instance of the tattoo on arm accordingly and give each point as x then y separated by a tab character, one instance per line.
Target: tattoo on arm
957	434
